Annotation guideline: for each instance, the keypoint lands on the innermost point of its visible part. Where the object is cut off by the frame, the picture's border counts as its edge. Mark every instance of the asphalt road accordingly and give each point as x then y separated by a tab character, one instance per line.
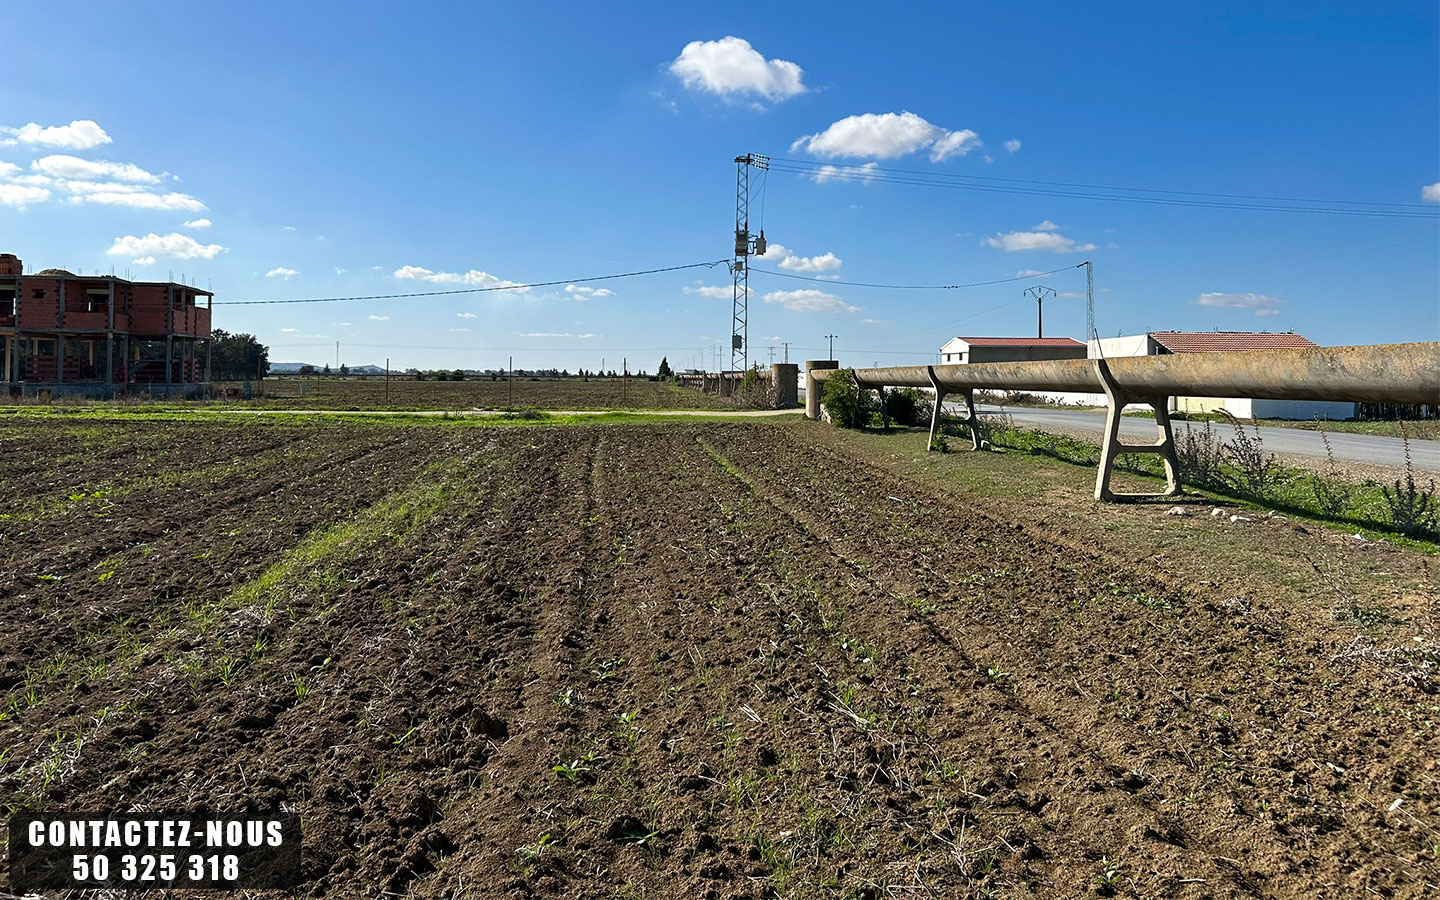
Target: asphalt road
1364	448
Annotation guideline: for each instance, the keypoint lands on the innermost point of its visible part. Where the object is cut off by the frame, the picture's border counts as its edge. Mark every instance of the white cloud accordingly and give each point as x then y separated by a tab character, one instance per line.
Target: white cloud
863	174
872	321
886	136
809	300
1430	193
82	134
1027	273
375	318
786	259
144	261
714	292
281	272
201	223
468	315
1036	240
458	330
1046	225
583	292
122	196
289	330
1012	146
825	262
62	166
554	334
180	246
97	187
1262	304
730	67
19	195
474	278
8	169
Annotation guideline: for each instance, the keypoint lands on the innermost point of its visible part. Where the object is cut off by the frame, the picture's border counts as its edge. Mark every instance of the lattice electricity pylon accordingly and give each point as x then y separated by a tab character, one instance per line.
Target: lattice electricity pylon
745	246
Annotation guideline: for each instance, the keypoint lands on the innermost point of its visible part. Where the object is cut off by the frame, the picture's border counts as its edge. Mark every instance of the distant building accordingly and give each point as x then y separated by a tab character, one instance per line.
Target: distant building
971	350
93	334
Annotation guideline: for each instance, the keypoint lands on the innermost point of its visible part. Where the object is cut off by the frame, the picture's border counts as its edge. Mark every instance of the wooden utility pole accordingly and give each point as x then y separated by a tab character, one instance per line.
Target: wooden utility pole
511	378
624	380
387	381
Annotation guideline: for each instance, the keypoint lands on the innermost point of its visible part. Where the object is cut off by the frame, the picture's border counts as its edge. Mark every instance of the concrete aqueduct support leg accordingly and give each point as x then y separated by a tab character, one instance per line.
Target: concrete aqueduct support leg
812	387
1112	447
970	421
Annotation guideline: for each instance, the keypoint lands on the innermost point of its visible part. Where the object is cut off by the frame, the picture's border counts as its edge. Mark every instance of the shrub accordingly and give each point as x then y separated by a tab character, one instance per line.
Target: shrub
843	402
908	406
1255	471
1332	492
1200	454
1413	509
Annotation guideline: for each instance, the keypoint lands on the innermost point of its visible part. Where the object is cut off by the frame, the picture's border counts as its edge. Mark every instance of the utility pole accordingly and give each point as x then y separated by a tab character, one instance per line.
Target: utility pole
745	245
387	381
787	351
771	350
510	377
1039	292
624	380
1090	334
831	338
337	357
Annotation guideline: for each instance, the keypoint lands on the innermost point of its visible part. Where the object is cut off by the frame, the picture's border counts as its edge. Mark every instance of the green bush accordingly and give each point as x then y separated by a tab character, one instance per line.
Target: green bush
842	401
908	406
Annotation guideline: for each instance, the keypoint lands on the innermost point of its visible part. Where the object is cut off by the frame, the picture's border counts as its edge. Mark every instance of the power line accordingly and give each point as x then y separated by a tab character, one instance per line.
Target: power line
913	287
1193	199
477	290
1100	187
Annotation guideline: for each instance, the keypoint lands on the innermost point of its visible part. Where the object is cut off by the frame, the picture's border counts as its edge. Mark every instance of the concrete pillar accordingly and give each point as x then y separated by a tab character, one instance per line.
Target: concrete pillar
786	378
812	388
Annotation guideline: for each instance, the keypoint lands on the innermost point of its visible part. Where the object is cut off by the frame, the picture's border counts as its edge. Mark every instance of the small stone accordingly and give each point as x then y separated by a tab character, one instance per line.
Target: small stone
1216	511
1177	511
1240	518
1360	537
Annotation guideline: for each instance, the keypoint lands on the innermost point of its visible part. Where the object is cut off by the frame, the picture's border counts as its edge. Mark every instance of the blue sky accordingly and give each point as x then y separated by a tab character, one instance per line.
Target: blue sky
375	149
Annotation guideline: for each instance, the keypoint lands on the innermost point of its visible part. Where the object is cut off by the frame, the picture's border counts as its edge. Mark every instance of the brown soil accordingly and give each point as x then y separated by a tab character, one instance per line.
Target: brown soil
691	660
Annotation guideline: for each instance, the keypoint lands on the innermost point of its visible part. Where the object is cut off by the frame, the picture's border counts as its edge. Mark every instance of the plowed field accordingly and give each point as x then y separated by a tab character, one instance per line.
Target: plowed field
691	660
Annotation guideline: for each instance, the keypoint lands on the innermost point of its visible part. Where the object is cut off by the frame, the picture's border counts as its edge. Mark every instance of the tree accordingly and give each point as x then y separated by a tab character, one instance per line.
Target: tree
237	357
664	371
326	370
307	369
843	401
344	369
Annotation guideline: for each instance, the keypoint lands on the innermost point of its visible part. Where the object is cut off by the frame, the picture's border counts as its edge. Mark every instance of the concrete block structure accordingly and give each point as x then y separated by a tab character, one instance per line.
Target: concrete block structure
99	334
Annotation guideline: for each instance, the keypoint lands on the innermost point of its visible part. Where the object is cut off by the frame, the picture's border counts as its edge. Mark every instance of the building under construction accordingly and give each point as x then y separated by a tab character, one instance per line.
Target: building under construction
100	335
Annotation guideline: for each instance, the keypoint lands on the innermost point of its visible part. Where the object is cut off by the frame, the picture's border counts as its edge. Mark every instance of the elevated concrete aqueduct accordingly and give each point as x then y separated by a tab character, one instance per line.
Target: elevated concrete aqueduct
1379	373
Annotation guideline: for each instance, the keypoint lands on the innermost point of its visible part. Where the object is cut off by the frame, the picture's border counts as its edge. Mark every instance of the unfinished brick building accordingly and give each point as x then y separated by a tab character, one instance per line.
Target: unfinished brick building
98	334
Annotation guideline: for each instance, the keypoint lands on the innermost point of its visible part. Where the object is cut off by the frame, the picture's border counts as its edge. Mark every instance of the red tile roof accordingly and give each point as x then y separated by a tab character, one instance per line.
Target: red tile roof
1208	341
1020	342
